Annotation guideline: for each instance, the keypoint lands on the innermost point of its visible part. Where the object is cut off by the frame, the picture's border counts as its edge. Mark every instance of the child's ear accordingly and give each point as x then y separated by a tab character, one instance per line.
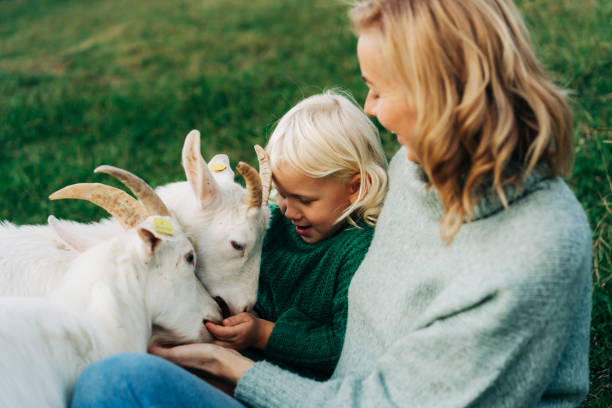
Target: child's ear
354	187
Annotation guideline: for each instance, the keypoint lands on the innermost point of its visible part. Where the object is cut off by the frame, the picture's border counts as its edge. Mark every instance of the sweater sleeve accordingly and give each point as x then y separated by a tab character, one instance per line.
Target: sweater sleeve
496	349
302	341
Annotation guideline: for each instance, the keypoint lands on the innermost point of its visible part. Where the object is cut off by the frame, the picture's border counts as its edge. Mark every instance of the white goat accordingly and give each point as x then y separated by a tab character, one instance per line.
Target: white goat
225	222
109	300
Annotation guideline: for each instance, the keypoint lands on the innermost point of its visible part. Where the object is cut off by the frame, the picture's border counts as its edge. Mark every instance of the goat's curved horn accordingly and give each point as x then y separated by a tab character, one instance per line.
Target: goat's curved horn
144	192
265	173
125	208
253	184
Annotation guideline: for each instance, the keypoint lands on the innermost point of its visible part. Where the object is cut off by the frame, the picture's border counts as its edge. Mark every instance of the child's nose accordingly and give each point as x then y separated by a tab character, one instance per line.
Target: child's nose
291	212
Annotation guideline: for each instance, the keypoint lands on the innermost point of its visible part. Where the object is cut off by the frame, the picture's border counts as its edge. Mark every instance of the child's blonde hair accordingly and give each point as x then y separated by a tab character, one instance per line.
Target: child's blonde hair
483	102
327	135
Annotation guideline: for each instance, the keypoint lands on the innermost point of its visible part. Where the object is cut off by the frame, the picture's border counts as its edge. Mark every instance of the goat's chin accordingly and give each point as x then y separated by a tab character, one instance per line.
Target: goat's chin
163	337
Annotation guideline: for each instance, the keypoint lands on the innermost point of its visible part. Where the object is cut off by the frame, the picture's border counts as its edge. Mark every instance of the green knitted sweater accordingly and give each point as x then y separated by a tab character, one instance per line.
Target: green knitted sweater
303	290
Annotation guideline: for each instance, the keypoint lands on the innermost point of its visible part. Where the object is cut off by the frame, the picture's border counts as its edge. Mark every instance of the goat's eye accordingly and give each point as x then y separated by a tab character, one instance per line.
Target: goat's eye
189	258
237	246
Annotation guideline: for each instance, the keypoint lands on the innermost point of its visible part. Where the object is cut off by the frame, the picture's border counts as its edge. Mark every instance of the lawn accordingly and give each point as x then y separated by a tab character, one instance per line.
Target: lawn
84	83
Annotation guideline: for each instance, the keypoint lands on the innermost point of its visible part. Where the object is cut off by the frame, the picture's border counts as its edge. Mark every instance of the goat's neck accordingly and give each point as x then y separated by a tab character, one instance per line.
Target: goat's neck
110	293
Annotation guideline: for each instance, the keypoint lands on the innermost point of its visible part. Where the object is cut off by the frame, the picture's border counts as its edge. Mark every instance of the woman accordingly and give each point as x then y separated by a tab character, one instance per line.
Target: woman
476	288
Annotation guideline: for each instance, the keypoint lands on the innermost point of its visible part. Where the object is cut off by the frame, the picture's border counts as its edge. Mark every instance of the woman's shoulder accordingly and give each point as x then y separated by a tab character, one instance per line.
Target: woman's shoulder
552	210
530	254
543	236
543	208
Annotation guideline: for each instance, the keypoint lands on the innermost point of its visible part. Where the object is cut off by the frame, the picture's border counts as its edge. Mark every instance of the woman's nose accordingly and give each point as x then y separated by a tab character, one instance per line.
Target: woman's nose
368	106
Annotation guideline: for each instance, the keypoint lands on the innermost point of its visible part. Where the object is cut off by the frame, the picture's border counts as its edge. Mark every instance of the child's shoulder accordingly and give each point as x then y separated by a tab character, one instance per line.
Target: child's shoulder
351	245
276	215
275	209
362	230
356	237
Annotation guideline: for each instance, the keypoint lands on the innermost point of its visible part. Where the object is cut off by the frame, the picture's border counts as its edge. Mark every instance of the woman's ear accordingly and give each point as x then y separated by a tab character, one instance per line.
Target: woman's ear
354	187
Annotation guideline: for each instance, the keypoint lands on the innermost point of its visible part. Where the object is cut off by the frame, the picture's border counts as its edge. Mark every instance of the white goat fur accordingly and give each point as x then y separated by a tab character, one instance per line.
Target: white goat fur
33	259
109	299
209	207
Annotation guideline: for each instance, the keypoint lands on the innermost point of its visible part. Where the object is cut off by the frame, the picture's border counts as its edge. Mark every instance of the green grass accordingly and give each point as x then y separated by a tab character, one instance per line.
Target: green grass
84	83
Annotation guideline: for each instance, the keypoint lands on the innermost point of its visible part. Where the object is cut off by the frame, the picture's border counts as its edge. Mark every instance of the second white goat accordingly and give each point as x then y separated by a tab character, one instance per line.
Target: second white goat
109	300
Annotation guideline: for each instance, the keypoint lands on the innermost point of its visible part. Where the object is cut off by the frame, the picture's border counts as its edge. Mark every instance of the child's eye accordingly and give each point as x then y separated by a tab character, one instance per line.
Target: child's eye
374	95
305	202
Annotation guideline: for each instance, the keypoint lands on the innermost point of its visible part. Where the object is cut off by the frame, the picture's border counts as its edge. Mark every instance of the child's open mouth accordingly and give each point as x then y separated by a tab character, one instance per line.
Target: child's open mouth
303	230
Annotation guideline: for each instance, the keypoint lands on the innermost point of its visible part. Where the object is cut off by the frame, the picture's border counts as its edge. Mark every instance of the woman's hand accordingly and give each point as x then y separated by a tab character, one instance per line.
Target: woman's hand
242	331
218	361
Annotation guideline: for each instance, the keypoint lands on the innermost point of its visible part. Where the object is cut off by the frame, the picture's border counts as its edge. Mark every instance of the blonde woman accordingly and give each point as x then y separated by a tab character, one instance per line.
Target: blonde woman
476	288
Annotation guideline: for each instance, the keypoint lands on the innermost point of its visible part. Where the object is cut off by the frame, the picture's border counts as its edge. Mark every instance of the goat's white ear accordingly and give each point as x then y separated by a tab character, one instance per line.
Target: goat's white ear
78	241
222	172
198	175
149	239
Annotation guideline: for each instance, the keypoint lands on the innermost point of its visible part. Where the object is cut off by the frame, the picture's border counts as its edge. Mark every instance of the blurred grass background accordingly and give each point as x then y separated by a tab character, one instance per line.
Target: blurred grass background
84	83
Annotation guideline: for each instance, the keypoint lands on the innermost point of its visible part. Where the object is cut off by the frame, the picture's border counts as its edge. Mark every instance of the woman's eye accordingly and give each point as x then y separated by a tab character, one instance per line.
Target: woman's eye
237	246
305	202
189	258
373	94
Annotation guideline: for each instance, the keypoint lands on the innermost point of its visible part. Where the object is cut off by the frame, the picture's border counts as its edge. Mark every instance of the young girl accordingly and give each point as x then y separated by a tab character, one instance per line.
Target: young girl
329	170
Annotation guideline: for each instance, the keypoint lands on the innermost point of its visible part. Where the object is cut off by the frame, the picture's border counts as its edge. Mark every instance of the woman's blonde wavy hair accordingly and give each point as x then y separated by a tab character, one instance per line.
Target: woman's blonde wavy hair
487	112
328	135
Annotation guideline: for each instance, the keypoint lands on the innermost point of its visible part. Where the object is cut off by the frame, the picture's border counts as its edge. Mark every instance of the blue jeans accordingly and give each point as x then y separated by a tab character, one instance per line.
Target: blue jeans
144	380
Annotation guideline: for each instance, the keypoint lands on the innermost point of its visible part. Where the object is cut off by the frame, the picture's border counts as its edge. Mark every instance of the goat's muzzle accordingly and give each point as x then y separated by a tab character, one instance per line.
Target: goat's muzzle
225	310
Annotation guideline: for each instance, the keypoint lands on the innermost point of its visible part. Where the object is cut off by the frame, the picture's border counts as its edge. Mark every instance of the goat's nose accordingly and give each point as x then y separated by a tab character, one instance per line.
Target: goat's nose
225	310
213	321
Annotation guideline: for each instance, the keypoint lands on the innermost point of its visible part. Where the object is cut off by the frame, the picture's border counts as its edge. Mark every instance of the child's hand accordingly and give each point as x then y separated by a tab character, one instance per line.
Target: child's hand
242	331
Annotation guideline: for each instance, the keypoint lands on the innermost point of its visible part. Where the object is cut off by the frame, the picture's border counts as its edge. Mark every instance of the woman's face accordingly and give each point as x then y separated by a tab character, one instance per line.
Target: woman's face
385	98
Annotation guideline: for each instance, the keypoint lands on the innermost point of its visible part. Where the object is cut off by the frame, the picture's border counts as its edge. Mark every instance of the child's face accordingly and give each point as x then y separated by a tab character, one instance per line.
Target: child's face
312	204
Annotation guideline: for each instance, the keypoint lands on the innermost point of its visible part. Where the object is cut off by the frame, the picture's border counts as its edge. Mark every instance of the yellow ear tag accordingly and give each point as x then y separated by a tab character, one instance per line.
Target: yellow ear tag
163	226
217	167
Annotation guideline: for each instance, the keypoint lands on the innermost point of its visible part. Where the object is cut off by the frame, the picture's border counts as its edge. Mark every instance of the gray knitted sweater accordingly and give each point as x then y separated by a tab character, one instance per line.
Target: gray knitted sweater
498	318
